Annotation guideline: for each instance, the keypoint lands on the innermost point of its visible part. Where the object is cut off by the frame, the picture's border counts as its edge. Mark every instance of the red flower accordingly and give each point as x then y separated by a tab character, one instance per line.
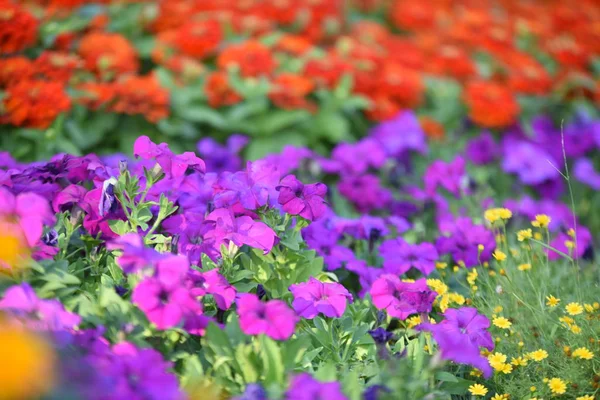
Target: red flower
219	92
14	70
34	104
96	95
141	95
327	71
491	105
18	28
108	54
251	57
413	15
404	86
195	39
290	90
57	66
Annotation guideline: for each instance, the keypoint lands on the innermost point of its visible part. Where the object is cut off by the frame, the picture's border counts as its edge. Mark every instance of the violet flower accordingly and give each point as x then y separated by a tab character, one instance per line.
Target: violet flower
462	241
305	387
482	149
220	158
450	176
400	256
143	374
314	297
21	302
460	335
585	173
531	163
400	135
135	255
307	201
402	299
273	318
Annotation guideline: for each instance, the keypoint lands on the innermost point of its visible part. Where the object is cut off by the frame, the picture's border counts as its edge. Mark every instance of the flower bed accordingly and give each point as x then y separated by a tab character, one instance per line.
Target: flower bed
417	221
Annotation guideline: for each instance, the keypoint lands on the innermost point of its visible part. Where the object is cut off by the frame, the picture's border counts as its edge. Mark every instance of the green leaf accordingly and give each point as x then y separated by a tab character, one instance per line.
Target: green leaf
202	114
272	361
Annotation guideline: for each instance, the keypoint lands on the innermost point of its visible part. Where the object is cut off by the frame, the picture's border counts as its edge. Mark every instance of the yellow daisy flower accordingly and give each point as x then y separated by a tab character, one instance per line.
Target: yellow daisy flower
477	389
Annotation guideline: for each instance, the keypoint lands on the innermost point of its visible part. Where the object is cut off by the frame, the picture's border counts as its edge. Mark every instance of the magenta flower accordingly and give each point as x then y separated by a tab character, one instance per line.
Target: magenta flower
223	227
163	297
213	283
450	176
252	188
402	299
174	166
400	256
305	387
314	297
22	303
142	374
135	256
68	197
29	210
273	318
460	335
307	201
462	241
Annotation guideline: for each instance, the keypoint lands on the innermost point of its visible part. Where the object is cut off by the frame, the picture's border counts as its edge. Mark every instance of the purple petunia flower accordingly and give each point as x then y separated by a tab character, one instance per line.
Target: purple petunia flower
402	299
307	201
142	374
450	176
401	135
213	283
314	297
68	197
356	158
365	192
583	240
462	240
531	163
163	297
174	166
305	387
135	256
400	256
254	391
585	172
273	318
460	335
223	227
380	335
22	303
220	158
250	189
483	149
29	210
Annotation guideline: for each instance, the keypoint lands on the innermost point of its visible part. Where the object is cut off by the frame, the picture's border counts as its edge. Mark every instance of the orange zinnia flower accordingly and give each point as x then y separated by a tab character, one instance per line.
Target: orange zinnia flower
491	105
195	38
290	91
18	28
57	66
251	57
34	104
108	54
141	95
219	92
404	86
